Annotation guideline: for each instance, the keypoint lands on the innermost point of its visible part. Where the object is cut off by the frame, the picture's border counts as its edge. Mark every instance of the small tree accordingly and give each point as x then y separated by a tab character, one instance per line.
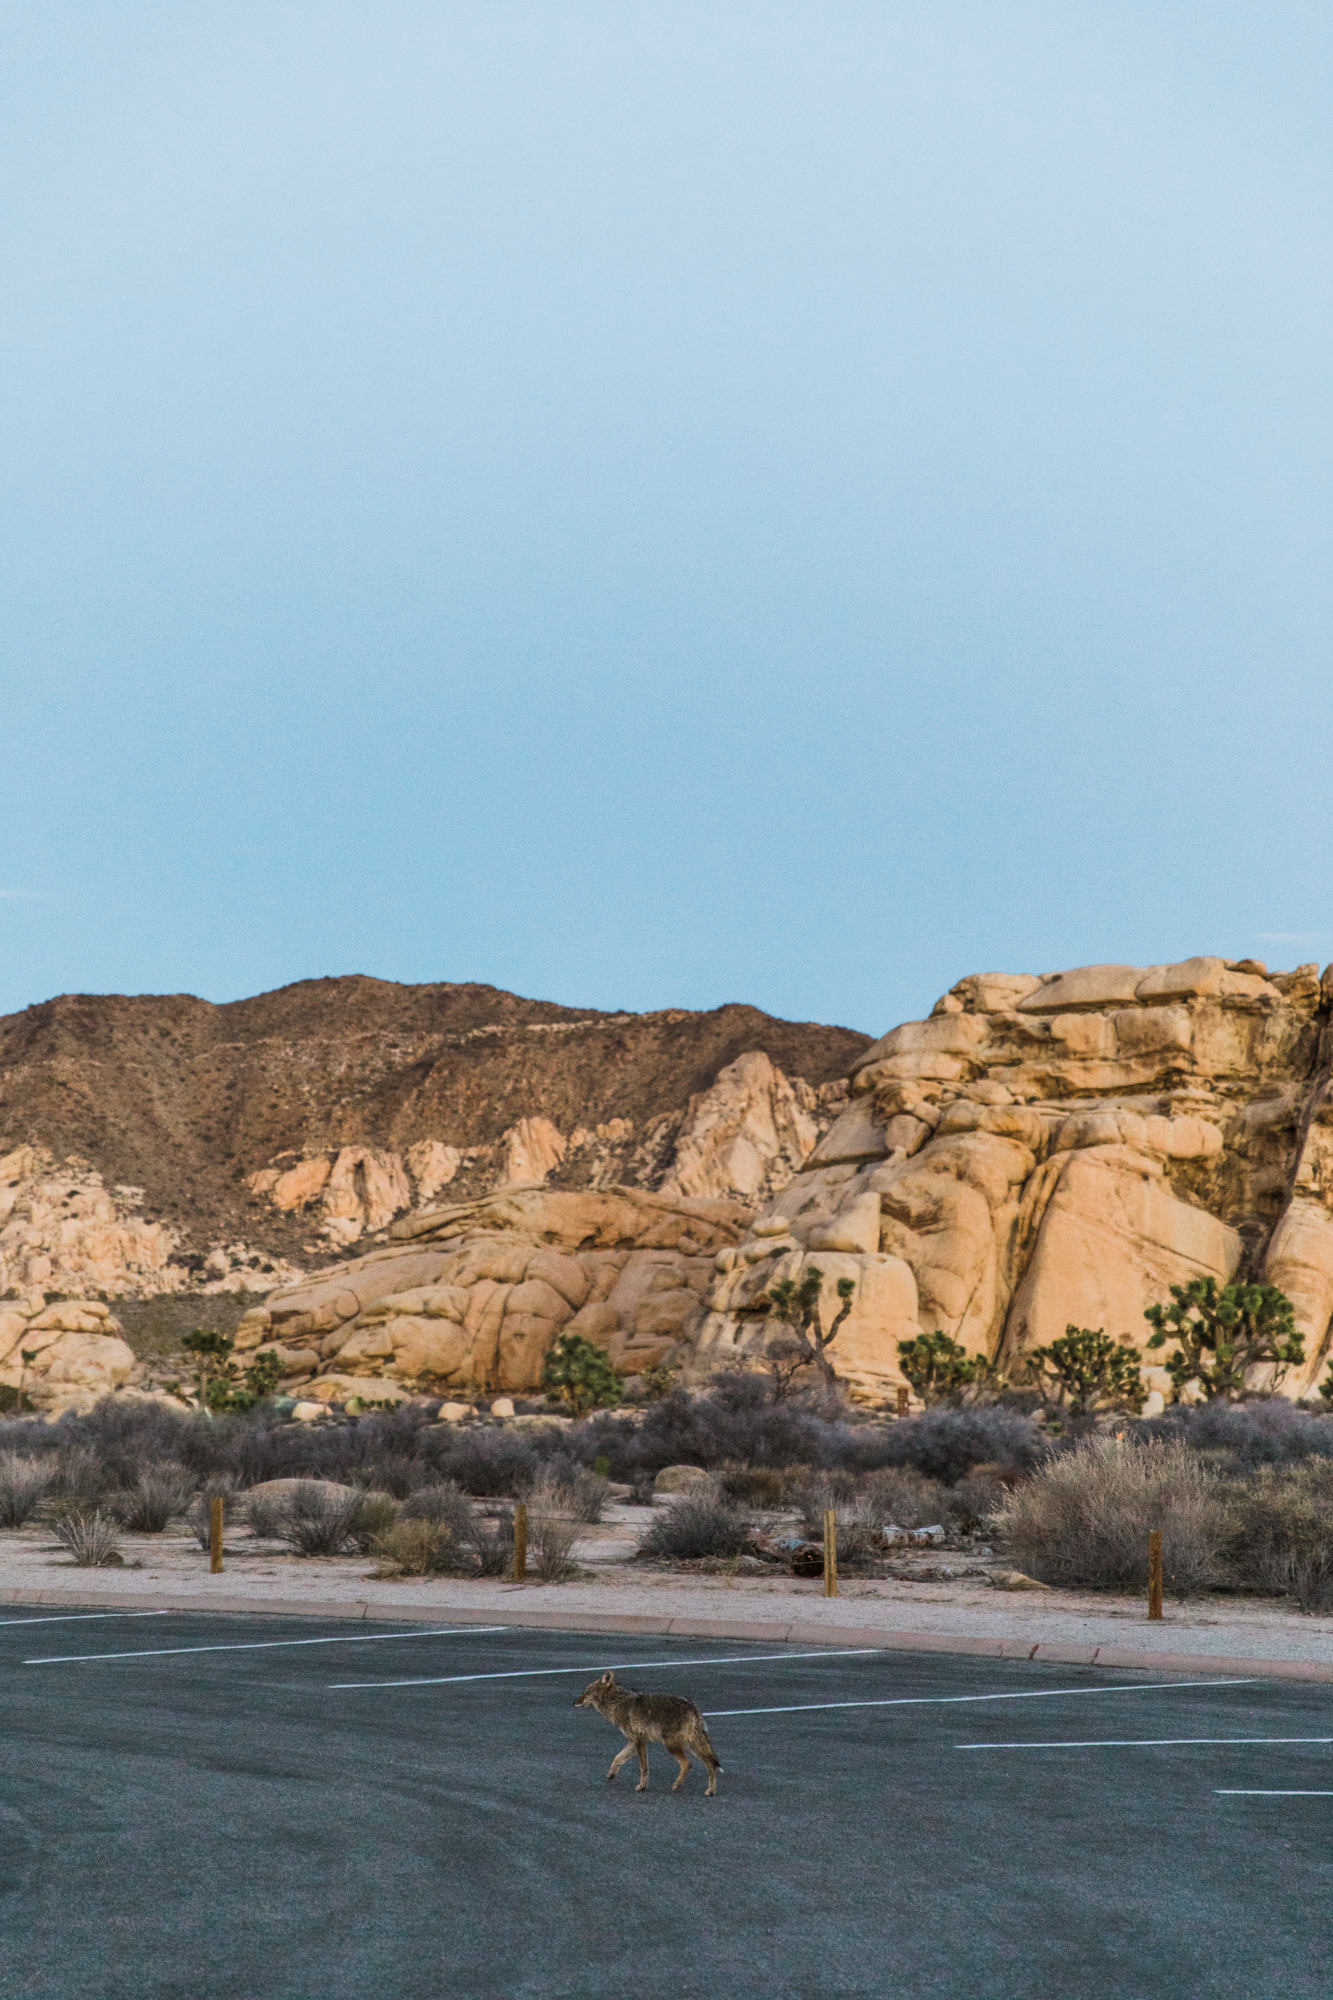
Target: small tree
936	1366
797	1306
581	1375
220	1384
1223	1334
1326	1387
1091	1370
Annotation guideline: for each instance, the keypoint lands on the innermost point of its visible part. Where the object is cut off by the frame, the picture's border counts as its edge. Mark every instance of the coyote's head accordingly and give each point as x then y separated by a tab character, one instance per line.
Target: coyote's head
596	1691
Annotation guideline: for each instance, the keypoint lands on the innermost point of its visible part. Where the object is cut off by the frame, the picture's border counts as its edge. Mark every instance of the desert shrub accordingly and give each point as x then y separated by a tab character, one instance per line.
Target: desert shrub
317	1521
91	1538
737	1422
159	1494
946	1444
1282	1542
490	1543
263	1514
23	1487
700	1523
865	1506
974	1502
904	1497
490	1463
762	1485
445	1505
569	1488
1083	1519
78	1475
199	1517
417	1547
374	1515
1266	1431
551	1539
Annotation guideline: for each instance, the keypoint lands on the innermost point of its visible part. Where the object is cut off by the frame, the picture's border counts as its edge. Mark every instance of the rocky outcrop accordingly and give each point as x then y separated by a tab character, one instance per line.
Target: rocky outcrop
1056	1150
64	1355
469	1298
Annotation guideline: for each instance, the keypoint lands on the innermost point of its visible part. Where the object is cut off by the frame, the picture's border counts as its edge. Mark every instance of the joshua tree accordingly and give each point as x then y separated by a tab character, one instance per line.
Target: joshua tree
579	1373
220	1383
797	1306
936	1366
1223	1334
1091	1370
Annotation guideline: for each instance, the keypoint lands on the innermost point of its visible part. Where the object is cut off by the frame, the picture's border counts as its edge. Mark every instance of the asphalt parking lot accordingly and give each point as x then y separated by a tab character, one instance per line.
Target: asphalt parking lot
199	1807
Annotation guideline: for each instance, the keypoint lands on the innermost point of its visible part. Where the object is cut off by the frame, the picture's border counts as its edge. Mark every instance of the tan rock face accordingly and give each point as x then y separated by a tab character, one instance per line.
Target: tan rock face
64	1355
471	1297
1051	1151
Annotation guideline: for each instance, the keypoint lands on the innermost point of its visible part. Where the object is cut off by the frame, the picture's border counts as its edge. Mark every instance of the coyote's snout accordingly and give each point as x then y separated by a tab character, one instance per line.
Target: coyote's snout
652	1718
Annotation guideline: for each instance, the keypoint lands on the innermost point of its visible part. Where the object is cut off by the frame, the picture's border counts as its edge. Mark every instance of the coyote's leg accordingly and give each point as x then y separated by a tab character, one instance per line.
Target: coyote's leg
640	1744
619	1761
682	1757
713	1768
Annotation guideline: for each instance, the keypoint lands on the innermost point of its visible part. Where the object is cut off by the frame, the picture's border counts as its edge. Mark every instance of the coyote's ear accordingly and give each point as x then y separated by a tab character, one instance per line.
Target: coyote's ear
608	1679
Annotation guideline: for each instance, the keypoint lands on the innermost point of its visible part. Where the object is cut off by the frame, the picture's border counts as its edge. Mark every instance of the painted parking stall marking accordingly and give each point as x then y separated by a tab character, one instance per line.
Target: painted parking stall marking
945	1700
620	1667
1141	1742
80	1617
264	1645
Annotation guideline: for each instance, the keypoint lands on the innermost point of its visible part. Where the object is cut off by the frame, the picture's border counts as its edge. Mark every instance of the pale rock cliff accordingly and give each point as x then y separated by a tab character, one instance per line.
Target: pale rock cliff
1059	1150
470	1298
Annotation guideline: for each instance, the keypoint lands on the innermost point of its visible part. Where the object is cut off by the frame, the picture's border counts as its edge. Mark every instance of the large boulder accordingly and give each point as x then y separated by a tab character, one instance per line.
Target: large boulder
64	1355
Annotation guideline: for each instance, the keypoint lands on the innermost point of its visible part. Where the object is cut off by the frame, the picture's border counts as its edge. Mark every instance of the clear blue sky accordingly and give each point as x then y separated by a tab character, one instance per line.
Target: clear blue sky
652	505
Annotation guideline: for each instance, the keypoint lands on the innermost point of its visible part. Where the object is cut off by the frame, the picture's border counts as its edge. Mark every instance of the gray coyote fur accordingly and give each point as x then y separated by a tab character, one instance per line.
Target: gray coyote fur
652	1718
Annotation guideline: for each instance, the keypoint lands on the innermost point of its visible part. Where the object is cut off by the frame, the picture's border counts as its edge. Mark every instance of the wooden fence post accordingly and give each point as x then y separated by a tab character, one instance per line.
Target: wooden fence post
1154	1572
215	1535
520	1542
830	1553
902	1400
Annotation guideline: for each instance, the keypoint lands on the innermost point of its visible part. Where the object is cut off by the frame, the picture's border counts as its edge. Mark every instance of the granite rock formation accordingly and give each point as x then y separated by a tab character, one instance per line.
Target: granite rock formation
1055	1150
469	1298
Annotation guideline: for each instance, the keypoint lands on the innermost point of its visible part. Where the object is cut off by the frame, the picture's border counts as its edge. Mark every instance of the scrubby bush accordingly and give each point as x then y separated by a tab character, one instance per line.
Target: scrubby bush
569	1488
700	1523
417	1547
445	1506
373	1517
1083	1519
551	1539
91	1538
1282	1542
490	1463
974	1502
158	1495
946	1444
318	1520
79	1477
762	1485
490	1542
1244	1436
24	1483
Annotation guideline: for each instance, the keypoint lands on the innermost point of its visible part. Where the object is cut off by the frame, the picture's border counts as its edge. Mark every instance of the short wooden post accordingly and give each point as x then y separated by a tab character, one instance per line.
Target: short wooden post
902	1400
520	1542
830	1553
215	1536
1154	1572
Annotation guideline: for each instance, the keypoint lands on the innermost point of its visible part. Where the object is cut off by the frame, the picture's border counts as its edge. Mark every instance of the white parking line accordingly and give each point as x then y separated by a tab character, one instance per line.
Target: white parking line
267	1645
1141	1742
74	1617
938	1700
1235	1792
621	1666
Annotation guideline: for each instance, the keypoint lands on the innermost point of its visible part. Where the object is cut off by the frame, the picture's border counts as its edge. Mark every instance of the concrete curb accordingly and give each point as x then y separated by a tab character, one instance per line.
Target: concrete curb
774	1632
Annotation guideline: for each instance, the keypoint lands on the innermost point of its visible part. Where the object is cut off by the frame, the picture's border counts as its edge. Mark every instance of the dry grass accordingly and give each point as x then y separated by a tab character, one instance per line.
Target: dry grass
24	1483
92	1539
1083	1519
700	1523
158	1495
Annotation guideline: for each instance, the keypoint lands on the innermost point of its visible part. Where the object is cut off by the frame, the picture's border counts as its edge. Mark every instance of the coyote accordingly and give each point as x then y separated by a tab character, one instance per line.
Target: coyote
652	1718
